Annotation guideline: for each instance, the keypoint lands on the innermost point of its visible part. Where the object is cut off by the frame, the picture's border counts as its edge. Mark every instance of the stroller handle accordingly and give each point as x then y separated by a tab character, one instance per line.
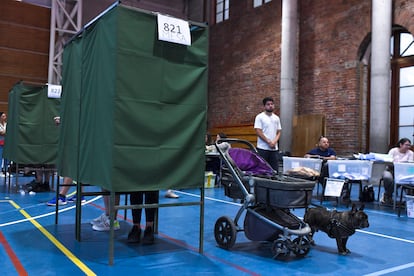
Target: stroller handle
235	141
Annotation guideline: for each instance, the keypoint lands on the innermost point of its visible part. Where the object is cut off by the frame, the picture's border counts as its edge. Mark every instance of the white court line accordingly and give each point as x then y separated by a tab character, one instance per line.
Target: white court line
46	214
385	236
389	270
209	198
357	230
193	195
378	273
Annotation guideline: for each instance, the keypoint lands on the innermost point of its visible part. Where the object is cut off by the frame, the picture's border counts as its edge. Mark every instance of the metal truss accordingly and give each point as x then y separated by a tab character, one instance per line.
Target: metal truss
66	21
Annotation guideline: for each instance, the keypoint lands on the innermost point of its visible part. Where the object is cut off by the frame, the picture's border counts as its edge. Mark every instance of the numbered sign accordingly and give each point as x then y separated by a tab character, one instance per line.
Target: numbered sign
173	30
334	187
54	91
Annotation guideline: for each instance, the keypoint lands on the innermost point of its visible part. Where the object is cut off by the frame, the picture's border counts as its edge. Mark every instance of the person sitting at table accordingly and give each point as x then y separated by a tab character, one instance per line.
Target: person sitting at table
400	153
209	143
213	164
224	146
324	152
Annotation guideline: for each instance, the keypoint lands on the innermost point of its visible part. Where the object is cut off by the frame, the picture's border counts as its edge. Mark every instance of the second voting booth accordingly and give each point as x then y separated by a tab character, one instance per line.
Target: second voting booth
32	136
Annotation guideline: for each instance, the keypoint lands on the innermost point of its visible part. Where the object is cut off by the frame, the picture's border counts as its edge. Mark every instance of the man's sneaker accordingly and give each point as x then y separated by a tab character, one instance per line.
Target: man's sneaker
61	201
171	194
148	236
134	235
72	199
98	219
104	225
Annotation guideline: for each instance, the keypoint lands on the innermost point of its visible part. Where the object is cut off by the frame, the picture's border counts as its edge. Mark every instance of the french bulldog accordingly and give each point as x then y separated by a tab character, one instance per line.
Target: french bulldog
337	225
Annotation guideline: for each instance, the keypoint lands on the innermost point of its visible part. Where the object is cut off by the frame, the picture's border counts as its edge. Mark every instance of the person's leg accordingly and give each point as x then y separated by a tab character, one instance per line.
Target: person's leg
42	178
107	205
136	198
38	175
274	160
264	154
388	187
3	165
134	236
61	200
271	157
103	223
46	177
151	197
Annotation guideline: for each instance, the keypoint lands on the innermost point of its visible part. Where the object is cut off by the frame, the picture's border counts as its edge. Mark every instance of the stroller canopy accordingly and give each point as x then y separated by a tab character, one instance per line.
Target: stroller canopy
250	162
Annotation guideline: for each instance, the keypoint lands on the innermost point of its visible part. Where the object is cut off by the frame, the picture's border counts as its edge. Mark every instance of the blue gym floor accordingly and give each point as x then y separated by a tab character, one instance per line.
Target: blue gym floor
32	244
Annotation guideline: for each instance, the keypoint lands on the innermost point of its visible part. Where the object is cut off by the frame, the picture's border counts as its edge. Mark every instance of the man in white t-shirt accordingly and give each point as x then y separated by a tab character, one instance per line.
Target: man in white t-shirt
400	153
268	129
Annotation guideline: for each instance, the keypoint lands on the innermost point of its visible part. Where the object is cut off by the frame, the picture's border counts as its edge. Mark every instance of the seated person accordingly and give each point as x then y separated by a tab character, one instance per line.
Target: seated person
224	146
324	152
213	164
400	153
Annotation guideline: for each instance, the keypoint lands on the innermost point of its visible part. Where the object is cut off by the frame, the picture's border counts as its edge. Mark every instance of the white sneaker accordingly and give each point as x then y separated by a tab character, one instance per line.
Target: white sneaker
171	194
98	219
105	225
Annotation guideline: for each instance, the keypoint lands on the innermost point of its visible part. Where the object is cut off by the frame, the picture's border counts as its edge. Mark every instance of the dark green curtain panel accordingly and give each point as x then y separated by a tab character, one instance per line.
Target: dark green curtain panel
134	108
70	109
32	136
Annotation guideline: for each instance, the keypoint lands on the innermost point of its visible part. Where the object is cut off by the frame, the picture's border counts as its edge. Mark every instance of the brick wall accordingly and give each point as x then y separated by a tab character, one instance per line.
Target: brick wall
333	35
244	63
329	79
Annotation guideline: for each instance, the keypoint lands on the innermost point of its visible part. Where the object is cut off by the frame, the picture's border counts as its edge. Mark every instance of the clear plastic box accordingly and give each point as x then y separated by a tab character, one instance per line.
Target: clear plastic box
295	162
404	173
410	206
350	169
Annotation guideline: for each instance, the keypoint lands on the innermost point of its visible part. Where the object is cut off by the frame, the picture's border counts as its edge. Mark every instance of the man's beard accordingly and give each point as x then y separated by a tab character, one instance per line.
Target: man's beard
270	110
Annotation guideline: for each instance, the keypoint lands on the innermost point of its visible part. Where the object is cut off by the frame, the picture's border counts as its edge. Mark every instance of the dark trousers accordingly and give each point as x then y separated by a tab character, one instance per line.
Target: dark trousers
137	198
271	156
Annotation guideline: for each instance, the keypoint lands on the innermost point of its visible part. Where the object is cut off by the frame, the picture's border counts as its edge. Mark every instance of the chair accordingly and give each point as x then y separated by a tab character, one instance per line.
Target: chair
380	184
404	187
404	178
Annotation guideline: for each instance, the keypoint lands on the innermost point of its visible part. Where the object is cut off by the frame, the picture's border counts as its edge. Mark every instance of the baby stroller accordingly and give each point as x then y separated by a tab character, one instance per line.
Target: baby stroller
267	198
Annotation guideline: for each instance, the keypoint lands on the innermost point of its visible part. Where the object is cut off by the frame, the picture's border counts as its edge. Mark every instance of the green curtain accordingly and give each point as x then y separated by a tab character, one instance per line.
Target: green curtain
70	109
32	135
140	105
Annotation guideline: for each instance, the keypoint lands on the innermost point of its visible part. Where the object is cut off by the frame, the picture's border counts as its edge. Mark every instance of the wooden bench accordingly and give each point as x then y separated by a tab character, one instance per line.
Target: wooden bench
245	132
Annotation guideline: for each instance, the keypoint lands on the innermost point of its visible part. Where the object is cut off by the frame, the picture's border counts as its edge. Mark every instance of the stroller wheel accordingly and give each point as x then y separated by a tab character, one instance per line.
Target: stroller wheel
280	249
225	232
302	246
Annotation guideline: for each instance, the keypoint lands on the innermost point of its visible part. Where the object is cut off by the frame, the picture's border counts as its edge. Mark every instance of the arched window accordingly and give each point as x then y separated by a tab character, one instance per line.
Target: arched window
402	85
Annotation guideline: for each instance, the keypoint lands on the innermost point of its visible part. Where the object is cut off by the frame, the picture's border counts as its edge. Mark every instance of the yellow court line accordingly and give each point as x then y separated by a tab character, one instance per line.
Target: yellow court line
58	244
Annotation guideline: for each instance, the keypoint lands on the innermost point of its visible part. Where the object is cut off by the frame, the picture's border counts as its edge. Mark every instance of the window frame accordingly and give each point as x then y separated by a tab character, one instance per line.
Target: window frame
397	63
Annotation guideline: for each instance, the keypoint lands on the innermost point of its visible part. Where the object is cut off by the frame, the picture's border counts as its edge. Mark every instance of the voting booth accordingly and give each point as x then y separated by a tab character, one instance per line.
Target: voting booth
133	106
32	136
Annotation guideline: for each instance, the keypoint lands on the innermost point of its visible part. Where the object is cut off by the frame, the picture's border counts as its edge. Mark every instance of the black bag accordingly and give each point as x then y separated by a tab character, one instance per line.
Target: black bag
367	194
